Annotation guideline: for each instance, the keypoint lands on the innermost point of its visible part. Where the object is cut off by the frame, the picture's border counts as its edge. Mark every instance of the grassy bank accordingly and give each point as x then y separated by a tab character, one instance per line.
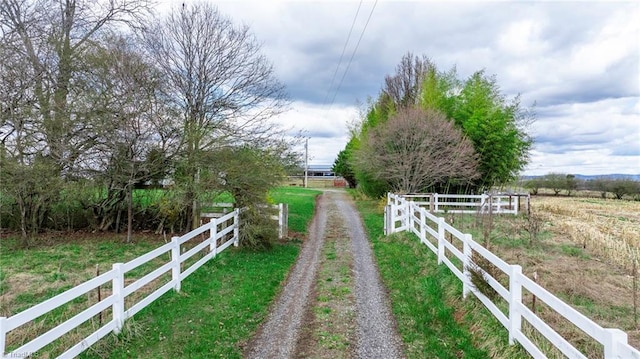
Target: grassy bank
432	317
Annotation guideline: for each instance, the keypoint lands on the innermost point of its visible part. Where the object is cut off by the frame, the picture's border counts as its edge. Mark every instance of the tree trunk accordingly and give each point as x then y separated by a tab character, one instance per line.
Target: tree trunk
118	217
23	222
129	213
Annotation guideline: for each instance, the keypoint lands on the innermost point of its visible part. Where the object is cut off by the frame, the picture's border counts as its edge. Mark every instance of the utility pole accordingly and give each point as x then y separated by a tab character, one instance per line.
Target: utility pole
306	160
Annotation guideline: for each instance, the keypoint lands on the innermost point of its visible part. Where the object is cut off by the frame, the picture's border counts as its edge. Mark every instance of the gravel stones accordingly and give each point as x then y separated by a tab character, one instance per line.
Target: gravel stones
376	335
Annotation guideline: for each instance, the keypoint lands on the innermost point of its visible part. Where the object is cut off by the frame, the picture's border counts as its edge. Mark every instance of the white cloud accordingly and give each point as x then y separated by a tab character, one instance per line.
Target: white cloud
615	41
588	138
522	39
326	128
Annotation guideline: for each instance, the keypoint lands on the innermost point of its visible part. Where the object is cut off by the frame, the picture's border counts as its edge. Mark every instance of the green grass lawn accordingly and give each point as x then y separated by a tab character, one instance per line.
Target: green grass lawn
30	276
301	208
433	319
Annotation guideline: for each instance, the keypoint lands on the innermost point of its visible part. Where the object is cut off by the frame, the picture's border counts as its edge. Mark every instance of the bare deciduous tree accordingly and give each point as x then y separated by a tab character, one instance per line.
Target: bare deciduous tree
404	88
223	85
88	112
416	149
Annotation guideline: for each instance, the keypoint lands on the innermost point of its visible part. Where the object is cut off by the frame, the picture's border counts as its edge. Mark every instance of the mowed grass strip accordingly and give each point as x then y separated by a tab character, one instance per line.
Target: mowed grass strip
433	319
330	323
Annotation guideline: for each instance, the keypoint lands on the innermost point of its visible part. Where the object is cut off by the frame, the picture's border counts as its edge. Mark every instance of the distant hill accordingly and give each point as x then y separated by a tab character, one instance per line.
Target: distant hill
635	177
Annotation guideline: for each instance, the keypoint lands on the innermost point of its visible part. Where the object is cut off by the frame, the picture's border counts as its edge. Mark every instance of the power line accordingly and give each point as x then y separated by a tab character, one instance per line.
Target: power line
342	54
353	54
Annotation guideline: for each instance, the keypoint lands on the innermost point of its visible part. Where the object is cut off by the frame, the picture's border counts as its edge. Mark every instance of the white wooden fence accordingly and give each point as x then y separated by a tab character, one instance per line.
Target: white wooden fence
404	215
456	203
282	217
223	232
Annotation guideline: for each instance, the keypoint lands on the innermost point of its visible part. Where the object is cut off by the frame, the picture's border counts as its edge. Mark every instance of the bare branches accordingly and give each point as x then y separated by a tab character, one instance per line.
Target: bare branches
416	149
53	36
82	99
405	86
223	84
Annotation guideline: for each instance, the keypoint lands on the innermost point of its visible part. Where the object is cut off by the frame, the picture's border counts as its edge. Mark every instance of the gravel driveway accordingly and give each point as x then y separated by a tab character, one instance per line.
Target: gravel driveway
376	336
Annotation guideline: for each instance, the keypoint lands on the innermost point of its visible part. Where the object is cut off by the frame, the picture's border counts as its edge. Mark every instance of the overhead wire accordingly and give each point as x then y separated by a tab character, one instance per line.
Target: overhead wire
344	48
344	74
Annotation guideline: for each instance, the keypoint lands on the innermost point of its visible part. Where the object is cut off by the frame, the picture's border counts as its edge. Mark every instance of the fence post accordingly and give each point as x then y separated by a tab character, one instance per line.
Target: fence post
611	339
279	220
397	211
3	335
466	263
435	201
423	224
431	203
286	219
483	202
118	293
175	260
407	214
515	298
213	233
236	228
392	218
490	209
387	215
397	214
440	240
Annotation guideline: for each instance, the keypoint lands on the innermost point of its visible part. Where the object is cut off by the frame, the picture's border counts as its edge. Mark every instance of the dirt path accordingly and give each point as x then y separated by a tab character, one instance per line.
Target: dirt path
333	304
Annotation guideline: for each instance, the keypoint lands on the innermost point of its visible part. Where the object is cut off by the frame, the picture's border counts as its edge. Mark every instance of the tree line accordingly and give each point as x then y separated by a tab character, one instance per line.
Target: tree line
431	131
569	184
98	98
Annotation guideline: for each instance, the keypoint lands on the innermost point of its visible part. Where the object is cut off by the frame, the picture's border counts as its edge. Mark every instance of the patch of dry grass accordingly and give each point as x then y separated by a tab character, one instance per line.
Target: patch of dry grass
606	228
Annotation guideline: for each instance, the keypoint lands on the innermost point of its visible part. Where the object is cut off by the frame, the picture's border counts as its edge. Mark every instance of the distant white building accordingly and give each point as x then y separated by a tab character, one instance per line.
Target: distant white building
320	171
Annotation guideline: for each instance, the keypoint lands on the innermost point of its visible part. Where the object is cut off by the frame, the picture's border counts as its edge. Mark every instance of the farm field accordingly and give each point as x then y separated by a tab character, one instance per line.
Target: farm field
607	228
583	253
58	261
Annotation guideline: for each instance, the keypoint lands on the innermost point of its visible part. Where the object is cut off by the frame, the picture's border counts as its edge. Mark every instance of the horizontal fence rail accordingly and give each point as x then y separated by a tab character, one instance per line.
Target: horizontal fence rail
502	203
281	217
408	213
221	231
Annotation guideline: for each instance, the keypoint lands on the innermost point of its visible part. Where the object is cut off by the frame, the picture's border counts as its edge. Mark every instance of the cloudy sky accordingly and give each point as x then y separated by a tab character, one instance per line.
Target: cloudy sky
578	61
